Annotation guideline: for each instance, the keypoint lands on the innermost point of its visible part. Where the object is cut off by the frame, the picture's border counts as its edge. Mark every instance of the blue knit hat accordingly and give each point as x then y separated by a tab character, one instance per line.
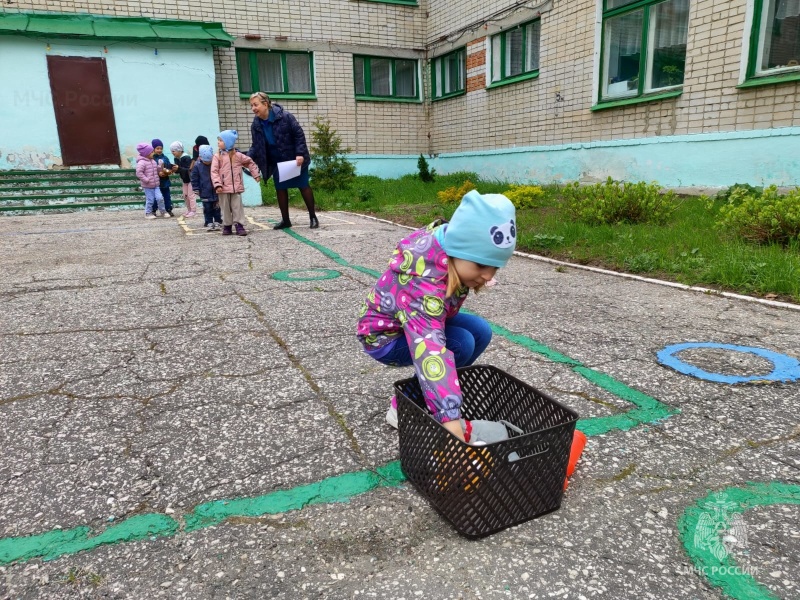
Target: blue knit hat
156	143
206	153
483	229
229	136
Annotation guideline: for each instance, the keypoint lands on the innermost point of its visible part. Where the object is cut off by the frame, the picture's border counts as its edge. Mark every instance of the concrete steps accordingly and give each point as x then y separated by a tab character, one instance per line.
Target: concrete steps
72	189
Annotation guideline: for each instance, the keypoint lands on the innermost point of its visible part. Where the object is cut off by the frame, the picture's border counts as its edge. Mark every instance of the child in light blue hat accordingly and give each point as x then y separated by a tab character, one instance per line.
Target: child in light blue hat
204	188
226	174
412	315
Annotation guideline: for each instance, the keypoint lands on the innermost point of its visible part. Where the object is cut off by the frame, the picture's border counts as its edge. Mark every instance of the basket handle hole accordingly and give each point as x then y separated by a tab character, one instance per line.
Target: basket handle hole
528	452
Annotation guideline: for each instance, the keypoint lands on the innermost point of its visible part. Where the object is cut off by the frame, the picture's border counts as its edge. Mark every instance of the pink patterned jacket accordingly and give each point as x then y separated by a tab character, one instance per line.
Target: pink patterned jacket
409	298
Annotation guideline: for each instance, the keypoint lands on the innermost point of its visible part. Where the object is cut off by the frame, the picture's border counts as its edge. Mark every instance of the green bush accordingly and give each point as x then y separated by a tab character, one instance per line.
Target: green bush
524	196
425	174
453	195
331	170
738	188
364	194
763	218
613	202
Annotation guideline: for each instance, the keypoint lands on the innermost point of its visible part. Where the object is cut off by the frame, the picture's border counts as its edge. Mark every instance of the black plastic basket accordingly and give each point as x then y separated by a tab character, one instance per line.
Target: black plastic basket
483	489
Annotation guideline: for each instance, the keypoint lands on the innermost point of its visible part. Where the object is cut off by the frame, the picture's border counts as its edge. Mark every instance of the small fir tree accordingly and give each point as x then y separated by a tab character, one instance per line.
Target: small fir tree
331	170
425	174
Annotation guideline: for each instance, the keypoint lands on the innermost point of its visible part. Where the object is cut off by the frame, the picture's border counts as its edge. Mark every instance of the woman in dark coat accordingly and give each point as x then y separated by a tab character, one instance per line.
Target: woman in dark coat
278	137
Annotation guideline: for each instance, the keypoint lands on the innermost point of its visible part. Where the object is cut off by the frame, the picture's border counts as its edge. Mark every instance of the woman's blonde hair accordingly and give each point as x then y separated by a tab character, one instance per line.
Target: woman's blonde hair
263	96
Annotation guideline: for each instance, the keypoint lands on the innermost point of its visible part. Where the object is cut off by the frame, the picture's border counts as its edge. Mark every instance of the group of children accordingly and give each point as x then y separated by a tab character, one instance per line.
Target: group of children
216	178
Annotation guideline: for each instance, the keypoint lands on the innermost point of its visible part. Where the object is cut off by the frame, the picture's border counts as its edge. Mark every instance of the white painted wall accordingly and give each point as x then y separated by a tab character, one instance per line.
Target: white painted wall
170	95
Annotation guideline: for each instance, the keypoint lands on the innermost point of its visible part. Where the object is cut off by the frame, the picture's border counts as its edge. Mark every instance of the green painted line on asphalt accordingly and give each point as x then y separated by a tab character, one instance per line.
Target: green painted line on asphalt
57	543
292	275
331	254
711	559
334	489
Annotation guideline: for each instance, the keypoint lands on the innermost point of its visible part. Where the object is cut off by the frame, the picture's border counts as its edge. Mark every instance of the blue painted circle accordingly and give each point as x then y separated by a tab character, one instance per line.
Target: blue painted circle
785	368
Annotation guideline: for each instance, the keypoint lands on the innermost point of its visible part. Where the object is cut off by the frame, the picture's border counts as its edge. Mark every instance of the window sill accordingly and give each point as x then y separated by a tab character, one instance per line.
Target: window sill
515	79
770	80
401	2
448	96
385	99
638	100
282	96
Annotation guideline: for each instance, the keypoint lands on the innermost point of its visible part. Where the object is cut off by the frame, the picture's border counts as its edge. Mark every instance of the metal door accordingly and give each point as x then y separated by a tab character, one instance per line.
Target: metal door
84	112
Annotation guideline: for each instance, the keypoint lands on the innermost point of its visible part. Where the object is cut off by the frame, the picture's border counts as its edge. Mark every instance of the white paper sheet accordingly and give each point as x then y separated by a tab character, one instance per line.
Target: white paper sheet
288	170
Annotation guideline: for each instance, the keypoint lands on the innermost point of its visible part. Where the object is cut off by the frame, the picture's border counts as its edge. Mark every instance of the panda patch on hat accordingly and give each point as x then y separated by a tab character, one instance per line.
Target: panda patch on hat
504	235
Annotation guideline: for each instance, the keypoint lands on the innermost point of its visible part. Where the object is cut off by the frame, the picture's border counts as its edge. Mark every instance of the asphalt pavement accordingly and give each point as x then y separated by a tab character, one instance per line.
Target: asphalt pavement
189	415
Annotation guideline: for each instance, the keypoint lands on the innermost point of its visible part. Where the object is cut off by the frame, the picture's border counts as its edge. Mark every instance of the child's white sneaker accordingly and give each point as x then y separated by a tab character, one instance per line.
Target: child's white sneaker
149	216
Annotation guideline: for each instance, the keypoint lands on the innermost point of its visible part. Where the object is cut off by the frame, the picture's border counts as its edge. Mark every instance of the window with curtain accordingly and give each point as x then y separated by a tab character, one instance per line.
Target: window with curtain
448	74
382	78
515	53
277	73
644	47
776	38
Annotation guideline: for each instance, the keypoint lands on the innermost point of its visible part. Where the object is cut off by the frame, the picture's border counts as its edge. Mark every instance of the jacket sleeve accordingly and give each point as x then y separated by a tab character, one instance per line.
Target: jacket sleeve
300	147
434	364
252	152
184	163
250	164
215	180
140	166
195	177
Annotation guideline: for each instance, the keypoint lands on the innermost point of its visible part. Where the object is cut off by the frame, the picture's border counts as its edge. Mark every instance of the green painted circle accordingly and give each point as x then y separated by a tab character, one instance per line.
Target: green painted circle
323	274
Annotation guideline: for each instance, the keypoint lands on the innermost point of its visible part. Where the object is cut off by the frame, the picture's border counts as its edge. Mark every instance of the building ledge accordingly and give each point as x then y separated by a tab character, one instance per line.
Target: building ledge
133	29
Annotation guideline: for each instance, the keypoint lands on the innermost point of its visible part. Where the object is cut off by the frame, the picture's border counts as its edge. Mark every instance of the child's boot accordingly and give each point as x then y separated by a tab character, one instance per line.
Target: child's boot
227	230
391	413
240	229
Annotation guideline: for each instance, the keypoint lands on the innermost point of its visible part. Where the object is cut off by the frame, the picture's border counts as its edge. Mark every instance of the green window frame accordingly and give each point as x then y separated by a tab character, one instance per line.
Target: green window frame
774	53
515	53
643	54
278	73
381	78
449	74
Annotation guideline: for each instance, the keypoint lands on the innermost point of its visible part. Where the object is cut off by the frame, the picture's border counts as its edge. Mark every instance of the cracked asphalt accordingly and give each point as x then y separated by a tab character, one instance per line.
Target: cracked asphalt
148	368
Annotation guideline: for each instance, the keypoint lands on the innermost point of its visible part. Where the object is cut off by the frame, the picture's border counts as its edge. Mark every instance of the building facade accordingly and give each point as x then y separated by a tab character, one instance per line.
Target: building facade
683	92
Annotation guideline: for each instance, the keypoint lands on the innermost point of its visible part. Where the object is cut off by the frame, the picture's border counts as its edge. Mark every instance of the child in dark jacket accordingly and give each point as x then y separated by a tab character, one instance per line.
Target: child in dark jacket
165	169
184	163
202	186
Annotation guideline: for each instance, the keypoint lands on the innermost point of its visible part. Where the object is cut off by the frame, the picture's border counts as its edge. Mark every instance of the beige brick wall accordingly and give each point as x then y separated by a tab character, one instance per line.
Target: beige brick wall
529	113
553	109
